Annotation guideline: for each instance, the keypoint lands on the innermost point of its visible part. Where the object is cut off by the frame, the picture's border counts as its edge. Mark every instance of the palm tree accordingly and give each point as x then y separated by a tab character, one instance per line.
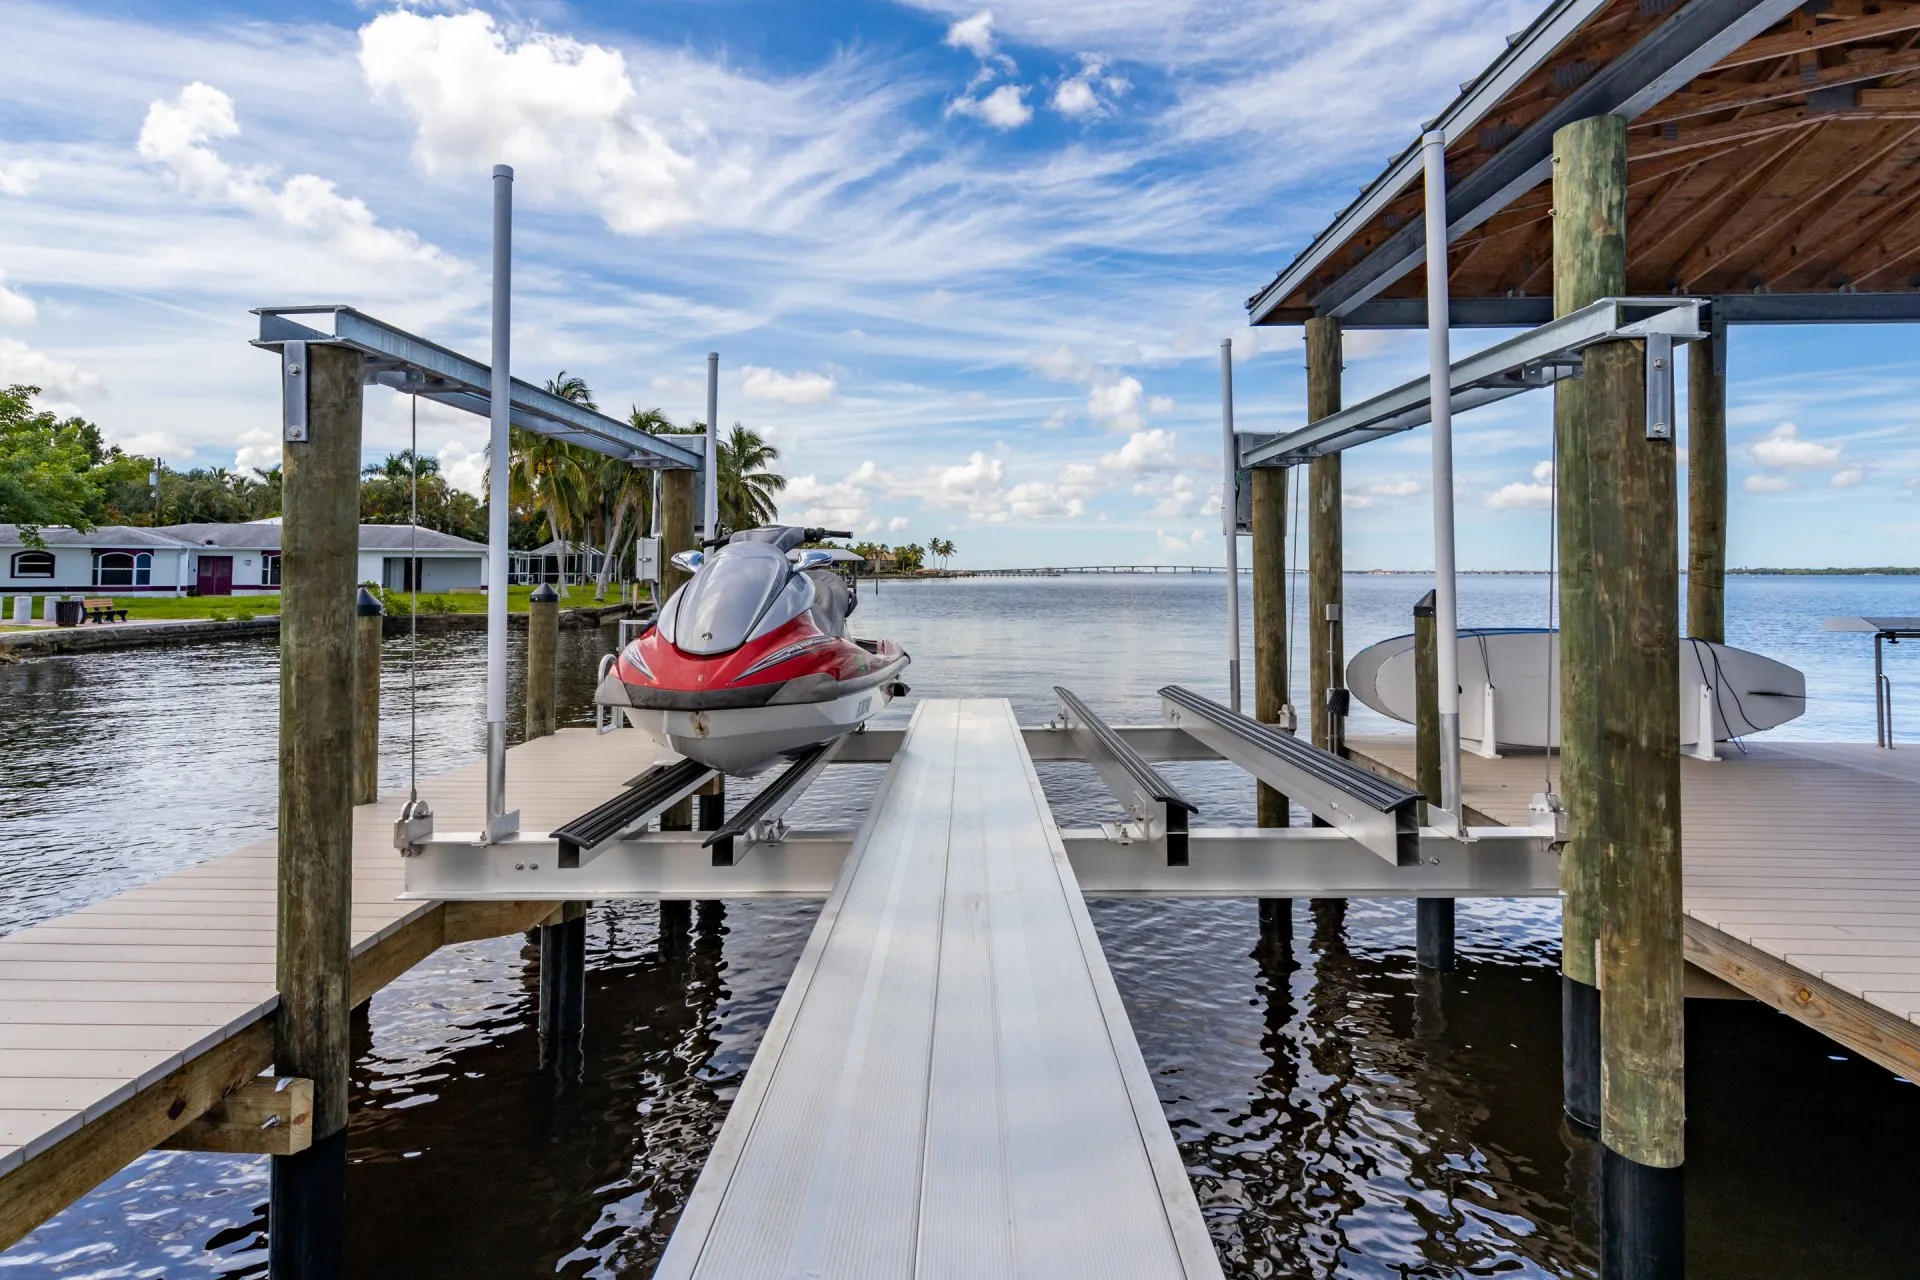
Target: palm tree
942	548
574	388
747	488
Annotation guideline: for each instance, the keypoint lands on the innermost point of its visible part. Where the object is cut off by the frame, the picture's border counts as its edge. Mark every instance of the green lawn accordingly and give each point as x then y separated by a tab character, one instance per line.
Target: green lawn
151	607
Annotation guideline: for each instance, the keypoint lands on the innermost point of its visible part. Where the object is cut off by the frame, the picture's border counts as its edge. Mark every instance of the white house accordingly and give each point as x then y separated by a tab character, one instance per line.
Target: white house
220	559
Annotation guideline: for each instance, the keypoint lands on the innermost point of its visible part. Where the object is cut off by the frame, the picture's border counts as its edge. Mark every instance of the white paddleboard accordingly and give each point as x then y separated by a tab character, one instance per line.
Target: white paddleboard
1512	676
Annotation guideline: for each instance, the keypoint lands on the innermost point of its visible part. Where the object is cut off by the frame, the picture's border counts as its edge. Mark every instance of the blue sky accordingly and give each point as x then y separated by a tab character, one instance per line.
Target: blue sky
968	267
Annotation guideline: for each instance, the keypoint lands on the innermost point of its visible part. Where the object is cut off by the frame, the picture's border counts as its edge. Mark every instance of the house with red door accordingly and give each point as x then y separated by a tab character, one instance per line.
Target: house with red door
219	560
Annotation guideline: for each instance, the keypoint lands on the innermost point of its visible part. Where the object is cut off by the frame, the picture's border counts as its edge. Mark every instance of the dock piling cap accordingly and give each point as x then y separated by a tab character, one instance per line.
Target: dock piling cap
367	605
1424	609
544	594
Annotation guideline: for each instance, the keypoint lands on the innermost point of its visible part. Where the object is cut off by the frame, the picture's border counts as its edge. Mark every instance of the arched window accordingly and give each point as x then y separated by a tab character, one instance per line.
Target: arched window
32	564
122	568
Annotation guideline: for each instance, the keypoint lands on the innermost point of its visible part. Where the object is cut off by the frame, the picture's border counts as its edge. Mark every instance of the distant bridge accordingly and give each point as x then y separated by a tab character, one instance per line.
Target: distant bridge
1061	571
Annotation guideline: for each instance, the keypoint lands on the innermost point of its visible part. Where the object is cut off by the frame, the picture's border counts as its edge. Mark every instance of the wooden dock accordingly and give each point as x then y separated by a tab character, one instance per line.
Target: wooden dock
1801	876
949	1086
123	1022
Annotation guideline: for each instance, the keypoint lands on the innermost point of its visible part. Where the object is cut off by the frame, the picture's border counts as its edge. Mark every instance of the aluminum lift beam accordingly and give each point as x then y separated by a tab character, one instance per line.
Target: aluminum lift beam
1158	810
759	821
405	362
1538	358
1378	814
648	795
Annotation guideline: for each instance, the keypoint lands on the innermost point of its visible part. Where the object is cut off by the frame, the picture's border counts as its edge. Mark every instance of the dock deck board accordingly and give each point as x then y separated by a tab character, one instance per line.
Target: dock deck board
1797	850
949	1085
110	999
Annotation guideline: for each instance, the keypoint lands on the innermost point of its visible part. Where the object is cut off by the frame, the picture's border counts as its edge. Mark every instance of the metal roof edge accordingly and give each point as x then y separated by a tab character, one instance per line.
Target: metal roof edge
1523	56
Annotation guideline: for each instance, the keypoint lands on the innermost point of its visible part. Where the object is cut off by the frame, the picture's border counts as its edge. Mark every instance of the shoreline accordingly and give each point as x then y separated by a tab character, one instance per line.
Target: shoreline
99	638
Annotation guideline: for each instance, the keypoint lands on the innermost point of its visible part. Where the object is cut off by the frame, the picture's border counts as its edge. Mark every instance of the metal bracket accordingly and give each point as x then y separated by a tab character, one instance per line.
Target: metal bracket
293	390
1659	386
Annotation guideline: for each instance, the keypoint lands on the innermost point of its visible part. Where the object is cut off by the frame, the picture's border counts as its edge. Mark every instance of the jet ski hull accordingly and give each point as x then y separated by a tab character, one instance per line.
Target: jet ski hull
745	741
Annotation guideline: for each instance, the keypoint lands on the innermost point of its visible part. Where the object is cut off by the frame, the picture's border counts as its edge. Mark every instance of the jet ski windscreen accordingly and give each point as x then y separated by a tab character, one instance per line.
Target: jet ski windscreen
731	591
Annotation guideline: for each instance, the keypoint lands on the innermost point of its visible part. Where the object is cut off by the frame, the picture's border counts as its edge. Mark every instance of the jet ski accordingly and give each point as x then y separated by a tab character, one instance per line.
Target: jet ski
750	661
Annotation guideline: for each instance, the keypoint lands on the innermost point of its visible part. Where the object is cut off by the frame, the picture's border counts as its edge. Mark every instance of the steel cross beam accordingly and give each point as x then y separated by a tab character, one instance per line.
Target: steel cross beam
1283	862
1538	358
397	359
1156	807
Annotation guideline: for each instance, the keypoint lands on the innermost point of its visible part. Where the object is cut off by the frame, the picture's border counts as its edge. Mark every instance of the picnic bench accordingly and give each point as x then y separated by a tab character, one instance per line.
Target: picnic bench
101	609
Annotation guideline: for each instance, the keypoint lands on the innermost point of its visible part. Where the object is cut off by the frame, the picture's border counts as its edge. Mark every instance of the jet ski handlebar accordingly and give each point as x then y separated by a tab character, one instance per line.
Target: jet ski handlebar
808	534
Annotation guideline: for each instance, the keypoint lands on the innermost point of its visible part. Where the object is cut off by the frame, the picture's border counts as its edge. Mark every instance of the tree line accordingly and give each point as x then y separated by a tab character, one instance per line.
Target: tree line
60	471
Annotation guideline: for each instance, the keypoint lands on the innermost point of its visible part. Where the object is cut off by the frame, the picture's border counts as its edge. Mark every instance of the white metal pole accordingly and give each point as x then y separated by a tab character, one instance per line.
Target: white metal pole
711	508
1446	617
1230	521
500	393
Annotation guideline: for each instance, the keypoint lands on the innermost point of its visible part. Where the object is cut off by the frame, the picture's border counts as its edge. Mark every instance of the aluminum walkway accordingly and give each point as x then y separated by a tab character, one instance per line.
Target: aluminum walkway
949	1086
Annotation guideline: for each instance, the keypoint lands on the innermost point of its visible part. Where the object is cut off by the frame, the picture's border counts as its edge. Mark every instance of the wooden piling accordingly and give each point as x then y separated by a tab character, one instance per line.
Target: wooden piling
369	625
1589	262
543	646
1433	917
678	504
1269	529
1707	487
563	986
320	506
1326	595
1624	725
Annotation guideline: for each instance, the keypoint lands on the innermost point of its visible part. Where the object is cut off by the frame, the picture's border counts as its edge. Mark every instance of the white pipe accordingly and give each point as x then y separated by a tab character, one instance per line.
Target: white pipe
1229	522
500	394
711	509
1446	616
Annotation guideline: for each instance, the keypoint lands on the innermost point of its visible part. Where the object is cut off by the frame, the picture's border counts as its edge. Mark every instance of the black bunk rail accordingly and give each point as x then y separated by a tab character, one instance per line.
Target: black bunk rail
770	803
645	796
1378	812
1139	787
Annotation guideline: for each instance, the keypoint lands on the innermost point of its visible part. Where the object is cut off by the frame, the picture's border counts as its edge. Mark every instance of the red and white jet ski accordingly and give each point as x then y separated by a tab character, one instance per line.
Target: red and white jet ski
750	661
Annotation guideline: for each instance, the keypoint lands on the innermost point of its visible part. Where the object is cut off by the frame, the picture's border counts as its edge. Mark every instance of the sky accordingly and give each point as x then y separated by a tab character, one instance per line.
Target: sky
968	268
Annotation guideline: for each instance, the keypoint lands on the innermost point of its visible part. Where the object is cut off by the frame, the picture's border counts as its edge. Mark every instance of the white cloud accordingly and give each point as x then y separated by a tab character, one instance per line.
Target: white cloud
16	308
1151	450
974	34
1543	471
1090	91
836	505
1056	420
1520	496
1405	488
757	383
1782	449
176	134
259	449
1004	109
1062	364
1178	496
20	363
1355	502
1762	483
897	524
1848	477
464	468
17	179
1117	404
1160	404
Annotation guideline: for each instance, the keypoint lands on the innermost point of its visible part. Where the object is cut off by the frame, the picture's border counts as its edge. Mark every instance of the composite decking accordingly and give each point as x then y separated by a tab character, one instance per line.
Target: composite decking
122	1021
949	1086
1800	872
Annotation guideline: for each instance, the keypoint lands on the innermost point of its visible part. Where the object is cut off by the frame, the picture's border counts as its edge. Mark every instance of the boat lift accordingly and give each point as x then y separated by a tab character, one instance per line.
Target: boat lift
417	366
1373	845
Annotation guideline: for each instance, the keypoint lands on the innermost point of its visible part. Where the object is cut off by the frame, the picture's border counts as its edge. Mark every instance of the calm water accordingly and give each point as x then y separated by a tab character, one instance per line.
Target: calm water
1339	1113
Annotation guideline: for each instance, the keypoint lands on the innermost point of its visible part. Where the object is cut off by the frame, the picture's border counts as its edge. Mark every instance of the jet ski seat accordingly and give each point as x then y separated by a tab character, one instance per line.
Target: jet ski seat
832	602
